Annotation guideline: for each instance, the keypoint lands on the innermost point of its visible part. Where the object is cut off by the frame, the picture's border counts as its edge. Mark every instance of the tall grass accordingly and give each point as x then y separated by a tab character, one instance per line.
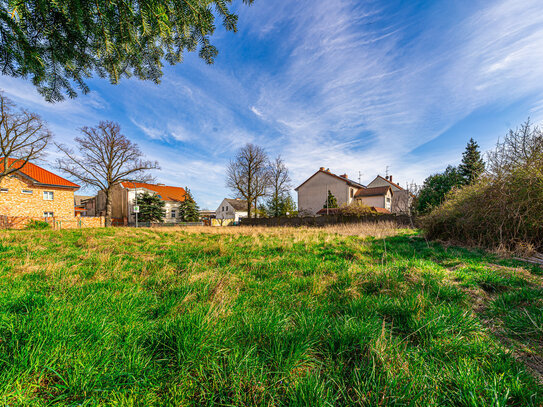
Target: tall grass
266	316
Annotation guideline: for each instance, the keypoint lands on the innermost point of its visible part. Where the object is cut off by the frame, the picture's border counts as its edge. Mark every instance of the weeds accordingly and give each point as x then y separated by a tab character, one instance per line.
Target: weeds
263	316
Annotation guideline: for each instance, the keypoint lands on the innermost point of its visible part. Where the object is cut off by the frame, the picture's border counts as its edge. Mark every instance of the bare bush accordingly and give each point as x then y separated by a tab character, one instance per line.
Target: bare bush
504	208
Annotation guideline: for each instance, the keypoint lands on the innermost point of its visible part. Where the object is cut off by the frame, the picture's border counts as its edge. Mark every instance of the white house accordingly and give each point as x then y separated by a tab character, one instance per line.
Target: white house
231	210
172	197
313	193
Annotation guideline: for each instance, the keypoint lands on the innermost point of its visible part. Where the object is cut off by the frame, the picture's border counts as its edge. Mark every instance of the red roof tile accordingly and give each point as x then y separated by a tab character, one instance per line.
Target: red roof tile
40	175
166	193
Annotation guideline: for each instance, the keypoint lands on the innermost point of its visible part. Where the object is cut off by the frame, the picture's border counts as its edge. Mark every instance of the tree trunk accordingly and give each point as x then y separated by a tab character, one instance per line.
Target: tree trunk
108	208
248	209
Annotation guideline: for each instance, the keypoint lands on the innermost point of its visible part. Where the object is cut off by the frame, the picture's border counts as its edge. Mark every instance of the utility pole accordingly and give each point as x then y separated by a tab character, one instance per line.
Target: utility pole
135	199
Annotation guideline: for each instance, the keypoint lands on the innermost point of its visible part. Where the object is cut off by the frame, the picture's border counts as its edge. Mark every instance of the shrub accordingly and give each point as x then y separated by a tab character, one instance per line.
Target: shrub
37	225
355	209
503	208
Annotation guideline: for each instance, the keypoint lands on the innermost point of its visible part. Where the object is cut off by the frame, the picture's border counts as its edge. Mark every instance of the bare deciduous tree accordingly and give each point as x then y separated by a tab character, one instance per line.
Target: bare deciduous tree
23	137
106	157
248	174
280	184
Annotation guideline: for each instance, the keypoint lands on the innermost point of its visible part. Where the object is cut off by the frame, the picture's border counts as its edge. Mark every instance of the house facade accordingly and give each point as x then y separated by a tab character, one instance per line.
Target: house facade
313	193
401	199
123	200
33	192
377	197
381	194
231	210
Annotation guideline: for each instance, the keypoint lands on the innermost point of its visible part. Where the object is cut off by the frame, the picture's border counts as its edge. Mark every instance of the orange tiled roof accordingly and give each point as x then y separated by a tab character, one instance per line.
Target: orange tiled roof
166	193
40	175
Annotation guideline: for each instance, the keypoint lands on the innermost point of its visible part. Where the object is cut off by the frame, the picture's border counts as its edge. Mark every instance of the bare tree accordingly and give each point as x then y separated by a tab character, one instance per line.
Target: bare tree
106	157
23	137
280	184
248	174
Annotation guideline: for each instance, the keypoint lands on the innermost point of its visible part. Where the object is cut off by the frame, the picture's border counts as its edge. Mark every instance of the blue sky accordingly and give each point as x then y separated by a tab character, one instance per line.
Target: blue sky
349	85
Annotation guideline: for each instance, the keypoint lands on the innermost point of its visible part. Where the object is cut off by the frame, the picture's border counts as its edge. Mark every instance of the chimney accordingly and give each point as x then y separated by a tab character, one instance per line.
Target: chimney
386	177
328	170
321	169
390	178
344	176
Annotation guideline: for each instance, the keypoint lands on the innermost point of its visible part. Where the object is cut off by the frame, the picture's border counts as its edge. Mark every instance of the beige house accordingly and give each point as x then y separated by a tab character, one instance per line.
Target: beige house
312	193
231	210
377	197
401	199
381	194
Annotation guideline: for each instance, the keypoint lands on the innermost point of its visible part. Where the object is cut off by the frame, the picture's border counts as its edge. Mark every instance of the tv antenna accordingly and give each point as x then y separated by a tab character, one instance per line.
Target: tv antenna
359	176
387	171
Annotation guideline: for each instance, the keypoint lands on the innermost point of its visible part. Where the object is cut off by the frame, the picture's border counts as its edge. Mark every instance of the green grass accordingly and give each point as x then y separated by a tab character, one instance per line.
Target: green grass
265	317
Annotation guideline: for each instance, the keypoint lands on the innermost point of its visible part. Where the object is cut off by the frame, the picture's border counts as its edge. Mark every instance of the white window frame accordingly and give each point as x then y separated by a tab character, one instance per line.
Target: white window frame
4	190
173	213
48	192
27	191
48	214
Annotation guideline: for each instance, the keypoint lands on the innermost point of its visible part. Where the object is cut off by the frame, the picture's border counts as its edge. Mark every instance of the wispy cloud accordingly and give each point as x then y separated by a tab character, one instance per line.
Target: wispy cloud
354	86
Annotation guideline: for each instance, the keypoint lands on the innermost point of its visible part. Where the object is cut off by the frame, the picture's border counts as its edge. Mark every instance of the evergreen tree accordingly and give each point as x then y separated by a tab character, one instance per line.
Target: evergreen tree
472	165
151	208
188	209
280	206
59	44
331	201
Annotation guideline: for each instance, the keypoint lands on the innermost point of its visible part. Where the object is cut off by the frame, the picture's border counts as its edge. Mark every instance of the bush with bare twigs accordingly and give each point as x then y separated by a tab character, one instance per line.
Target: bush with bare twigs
504	208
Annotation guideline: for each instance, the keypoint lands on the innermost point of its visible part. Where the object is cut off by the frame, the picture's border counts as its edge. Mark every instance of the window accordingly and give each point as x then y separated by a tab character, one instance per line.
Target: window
48	195
352	192
48	215
172	213
388	199
27	191
4	190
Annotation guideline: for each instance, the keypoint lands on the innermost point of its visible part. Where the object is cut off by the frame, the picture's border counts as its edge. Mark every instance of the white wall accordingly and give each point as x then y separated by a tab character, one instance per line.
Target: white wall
229	212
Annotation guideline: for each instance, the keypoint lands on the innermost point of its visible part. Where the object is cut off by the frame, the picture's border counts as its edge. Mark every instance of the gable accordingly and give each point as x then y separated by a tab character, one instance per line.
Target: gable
322	178
381	182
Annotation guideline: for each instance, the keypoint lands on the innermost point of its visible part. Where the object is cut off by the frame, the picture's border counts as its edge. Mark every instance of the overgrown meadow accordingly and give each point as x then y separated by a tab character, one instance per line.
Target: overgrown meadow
279	316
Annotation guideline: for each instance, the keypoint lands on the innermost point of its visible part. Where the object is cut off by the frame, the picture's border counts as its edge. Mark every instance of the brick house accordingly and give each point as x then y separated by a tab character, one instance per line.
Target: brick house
33	192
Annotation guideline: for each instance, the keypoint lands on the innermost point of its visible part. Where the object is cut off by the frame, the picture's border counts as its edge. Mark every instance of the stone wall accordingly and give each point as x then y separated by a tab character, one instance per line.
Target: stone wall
16	203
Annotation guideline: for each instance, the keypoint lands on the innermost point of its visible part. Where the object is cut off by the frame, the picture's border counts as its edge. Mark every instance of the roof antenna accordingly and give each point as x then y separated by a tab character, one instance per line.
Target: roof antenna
359	176
387	171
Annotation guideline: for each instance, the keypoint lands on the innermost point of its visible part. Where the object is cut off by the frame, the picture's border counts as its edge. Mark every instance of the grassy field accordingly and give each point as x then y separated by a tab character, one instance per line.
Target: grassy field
239	316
